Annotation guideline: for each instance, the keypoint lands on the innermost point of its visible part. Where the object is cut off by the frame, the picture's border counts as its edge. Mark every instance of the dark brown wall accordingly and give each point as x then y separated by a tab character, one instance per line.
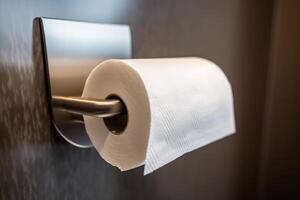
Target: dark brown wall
281	149
35	165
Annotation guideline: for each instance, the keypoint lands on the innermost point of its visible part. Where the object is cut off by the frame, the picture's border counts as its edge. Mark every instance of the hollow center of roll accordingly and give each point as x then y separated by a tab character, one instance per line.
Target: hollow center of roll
117	124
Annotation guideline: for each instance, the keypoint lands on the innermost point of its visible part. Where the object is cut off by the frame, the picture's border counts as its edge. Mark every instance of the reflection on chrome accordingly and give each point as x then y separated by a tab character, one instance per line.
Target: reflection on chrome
72	49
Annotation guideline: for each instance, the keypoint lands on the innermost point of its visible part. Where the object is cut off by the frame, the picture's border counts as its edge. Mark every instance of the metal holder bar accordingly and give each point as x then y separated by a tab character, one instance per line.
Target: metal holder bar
91	107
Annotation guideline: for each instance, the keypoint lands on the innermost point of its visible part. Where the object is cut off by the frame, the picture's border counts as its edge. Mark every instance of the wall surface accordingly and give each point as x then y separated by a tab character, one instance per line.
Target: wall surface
36	164
281	160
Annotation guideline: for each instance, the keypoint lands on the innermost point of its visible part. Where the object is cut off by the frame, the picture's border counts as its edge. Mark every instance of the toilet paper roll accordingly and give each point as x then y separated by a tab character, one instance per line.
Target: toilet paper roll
174	106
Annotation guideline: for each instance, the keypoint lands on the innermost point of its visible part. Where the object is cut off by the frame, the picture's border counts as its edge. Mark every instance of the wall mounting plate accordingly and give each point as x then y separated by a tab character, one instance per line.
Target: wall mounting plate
71	49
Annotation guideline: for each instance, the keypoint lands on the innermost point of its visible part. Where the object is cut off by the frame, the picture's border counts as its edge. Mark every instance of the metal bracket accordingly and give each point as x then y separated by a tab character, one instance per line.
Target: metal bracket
71	50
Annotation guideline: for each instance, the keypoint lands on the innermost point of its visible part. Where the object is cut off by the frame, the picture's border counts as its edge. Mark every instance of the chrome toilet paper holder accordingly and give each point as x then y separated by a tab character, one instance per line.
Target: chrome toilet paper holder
71	49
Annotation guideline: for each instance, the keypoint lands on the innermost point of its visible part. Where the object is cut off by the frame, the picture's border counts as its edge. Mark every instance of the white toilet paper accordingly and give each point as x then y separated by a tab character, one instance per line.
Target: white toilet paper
174	105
